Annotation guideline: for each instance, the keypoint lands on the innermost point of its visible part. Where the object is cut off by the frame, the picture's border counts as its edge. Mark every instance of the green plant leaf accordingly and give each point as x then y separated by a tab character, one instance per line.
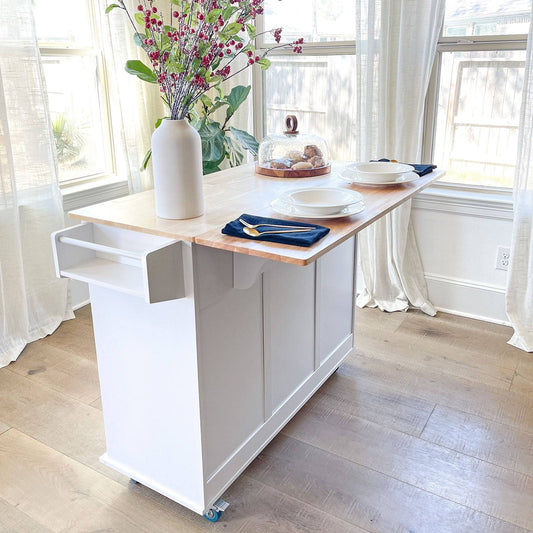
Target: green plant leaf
264	62
248	142
213	15
232	29
206	101
111	7
228	11
139	18
146	159
213	147
250	28
234	150
139	69
236	97
209	167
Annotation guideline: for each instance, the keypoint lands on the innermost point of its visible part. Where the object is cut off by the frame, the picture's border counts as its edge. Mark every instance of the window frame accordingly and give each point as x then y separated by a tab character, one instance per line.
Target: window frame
482	43
323	48
51	49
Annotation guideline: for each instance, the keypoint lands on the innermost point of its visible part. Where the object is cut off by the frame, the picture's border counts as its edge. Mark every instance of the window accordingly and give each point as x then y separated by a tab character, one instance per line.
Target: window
72	66
328	60
477	89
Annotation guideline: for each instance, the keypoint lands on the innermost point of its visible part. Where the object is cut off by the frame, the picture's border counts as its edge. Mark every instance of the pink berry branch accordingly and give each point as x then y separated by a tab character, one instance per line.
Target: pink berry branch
192	49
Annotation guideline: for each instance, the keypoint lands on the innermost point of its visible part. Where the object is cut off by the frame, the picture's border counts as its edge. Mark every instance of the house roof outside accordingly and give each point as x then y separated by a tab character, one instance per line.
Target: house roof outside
477	12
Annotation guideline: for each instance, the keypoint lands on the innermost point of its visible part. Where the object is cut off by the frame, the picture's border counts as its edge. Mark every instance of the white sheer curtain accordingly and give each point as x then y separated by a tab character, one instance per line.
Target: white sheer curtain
520	279
396	45
32	301
135	104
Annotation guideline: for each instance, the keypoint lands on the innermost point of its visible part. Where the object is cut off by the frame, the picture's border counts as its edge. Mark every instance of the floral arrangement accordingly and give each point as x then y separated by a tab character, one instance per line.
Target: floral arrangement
192	45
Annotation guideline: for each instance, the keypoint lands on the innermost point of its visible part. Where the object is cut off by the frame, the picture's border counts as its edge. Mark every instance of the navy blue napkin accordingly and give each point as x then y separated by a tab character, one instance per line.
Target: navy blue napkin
421	170
307	238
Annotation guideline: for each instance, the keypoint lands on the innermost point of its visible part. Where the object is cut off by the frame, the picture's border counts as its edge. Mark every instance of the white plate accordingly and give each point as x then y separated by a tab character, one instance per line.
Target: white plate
289	210
380	171
351	177
321	200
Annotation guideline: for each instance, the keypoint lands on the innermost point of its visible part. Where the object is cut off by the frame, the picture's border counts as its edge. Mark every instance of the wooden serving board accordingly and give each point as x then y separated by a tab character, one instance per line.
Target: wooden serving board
279	173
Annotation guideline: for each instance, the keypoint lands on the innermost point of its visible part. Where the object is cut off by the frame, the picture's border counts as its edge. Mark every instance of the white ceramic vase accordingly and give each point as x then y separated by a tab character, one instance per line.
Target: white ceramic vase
178	176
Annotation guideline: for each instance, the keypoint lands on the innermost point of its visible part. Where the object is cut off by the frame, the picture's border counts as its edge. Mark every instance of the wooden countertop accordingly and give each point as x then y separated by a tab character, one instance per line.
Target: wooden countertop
230	193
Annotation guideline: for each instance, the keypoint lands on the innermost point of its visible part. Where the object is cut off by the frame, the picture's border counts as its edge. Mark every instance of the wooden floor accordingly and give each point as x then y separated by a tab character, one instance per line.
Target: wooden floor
427	428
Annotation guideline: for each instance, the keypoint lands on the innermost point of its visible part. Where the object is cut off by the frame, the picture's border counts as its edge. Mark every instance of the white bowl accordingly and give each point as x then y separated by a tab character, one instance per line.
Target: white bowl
379	171
321	201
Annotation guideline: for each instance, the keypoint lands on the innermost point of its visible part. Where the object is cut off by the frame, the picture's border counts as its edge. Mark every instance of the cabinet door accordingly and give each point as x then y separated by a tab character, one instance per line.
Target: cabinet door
335	298
289	311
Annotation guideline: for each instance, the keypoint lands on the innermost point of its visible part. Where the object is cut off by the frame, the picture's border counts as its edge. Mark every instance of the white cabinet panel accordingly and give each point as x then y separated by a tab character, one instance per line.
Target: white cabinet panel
335	298
230	342
289	303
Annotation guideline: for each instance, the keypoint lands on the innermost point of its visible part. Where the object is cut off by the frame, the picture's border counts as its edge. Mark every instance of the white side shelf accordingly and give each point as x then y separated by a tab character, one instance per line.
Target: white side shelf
142	265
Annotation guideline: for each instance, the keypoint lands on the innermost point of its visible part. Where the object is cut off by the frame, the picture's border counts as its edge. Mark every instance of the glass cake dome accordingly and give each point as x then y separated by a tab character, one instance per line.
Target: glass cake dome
293	154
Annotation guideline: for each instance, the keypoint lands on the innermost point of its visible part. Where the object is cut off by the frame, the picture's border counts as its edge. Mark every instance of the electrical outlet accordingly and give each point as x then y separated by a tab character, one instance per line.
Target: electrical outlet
503	258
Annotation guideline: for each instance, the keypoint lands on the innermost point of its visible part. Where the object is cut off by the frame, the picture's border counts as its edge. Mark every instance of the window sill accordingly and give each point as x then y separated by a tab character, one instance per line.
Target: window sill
93	192
466	202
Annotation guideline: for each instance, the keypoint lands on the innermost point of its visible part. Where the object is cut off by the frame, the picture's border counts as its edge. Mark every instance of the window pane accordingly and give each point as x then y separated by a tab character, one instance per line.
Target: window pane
492	17
63	22
314	20
478	114
76	116
302	86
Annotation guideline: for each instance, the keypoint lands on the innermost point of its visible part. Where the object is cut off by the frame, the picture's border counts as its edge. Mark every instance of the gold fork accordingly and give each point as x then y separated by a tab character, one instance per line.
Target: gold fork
254	233
254	226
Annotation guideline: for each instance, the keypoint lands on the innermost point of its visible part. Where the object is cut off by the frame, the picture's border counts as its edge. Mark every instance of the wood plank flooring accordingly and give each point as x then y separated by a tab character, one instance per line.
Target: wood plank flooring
428	427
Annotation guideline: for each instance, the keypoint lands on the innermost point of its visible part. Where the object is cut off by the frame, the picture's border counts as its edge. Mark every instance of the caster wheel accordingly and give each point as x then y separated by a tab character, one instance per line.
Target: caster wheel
134	481
212	515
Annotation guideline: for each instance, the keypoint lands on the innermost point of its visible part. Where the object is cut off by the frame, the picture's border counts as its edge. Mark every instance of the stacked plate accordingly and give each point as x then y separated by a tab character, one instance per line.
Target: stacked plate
379	173
319	202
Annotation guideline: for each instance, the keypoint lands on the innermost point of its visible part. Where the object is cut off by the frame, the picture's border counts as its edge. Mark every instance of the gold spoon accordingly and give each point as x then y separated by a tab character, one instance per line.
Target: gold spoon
254	233
254	226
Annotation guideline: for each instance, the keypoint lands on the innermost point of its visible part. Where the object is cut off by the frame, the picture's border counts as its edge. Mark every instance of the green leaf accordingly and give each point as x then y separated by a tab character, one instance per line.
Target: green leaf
248	142
250	28
213	147
159	121
139	69
216	106
206	101
264	62
138	40
209	167
236	97
234	150
111	7
213	15
146	159
228	11
139	17
232	29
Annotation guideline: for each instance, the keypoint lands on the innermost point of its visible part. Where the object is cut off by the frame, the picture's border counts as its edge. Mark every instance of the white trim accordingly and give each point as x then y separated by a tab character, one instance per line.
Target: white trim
79	305
449	200
93	192
467	298
465	283
473	316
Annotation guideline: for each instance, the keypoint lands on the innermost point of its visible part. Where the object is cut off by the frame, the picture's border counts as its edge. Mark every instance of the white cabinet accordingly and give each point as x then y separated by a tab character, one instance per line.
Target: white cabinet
195	386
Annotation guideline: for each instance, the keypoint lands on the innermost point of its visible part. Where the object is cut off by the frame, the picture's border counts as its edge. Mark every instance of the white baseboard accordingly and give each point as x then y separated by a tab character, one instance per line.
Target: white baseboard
79	305
467	298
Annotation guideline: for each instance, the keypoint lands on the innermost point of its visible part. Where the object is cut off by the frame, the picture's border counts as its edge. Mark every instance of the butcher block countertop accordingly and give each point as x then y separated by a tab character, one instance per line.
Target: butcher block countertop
232	192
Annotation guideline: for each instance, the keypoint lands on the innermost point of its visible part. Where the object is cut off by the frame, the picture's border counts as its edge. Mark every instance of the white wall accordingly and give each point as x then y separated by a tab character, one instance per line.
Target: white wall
458	240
